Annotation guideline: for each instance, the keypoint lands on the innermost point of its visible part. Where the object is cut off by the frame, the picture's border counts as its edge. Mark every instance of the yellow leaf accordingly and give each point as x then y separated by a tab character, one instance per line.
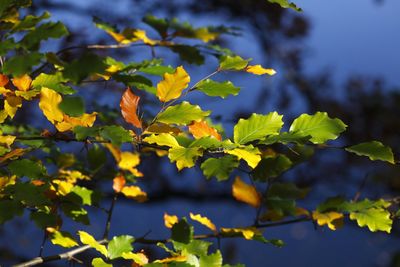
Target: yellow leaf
185	157
128	161
333	219
16	153
245	193
204	221
259	70
179	258
248	232
5	91
163	139
249	154
135	193
60	238
12	104
119	183
114	151
202	129
87	239
3	115
23	83
48	103
7	139
63	187
205	35
139	258
72	175
27	95
68	123
170	220
135	35
6	180
172	85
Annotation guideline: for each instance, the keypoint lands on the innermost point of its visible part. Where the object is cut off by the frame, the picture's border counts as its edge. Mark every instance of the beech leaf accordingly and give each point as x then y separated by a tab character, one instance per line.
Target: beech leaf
129	105
172	85
245	193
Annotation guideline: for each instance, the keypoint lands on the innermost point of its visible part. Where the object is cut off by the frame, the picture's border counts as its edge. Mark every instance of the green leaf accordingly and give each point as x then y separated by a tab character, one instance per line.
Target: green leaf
118	245
212	260
82	133
63	239
219	167
257	127
271	167
99	262
6	45
52	81
319	126
75	212
374	219
81	68
116	134
233	63
189	54
182	114
373	150
9	209
21	64
43	32
157	70
287	190
29	22
28	194
283	206
182	232
285	138
85	195
221	89
96	157
286	4
137	81
160	25
89	240
73	106
184	157
43	219
26	167
207	142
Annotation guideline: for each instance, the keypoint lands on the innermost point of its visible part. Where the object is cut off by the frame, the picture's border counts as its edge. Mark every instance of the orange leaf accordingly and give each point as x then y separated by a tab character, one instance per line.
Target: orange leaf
245	193
129	104
23	83
119	183
134	192
3	80
202	129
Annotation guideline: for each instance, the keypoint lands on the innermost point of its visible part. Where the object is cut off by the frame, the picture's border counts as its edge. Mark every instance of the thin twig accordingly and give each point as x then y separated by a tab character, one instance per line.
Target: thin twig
109	217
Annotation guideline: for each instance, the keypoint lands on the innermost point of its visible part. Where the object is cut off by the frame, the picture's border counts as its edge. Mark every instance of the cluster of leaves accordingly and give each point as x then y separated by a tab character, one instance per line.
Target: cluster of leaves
38	178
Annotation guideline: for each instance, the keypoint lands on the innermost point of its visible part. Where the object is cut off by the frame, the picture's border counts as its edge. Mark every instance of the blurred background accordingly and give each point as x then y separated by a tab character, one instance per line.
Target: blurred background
340	56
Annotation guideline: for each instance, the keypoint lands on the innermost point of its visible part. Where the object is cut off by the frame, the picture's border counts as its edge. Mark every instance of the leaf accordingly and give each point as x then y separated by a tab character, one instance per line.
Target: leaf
49	101
134	192
221	89
75	212
72	106
319	126
259	70
119	183
271	167
248	233
170	220
245	193
373	150
163	139
89	240
129	105
160	25
182	232
81	68
257	127
212	260
63	239
202	129
184	157
52	81
99	262
286	4
172	85
375	219
23	83
285	138
249	154
233	63
138	258
333	219
219	167
21	64
116	134
182	114
157	70
45	31
188	53
28	168
84	194
119	245
9	209
204	221
68	123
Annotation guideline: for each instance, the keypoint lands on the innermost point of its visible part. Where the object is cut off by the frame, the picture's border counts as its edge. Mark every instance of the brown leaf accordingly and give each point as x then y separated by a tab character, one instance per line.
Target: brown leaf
119	183
129	104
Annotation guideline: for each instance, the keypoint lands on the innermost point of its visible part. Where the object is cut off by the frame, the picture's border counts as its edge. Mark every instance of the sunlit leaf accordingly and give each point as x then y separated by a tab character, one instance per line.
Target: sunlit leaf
374	218
170	220
202	129
286	4
233	63
221	89
129	105
119	183
184	157
373	150
87	239
182	114
23	83
245	193
53	81
249	154
332	219
49	101
63	239
134	192
219	167
138	258
204	221
116	134
163	139
248	232
119	245
259	70
99	262
172	85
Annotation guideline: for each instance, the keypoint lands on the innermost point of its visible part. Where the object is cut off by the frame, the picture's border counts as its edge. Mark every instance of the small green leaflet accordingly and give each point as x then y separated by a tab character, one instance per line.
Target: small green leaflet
233	63
116	134
373	150
286	4
99	262
184	157
271	167
81	68
182	114
119	245
257	127
221	89
219	167
21	64
52	81
319	126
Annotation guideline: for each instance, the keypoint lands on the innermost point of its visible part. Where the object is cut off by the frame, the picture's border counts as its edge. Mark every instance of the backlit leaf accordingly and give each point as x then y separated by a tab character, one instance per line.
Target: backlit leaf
116	134
72	106
202	129
23	83
134	192
63	239
119	245
286	4
184	157
129	105
49	101
245	193
163	139
333	219
170	220
374	218
248	233
259	70
87	239
319	126
99	262
119	183
233	63
221	89
257	127
139	258
172	85
249	154
219	167
53	81
373	150
204	221
182	114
